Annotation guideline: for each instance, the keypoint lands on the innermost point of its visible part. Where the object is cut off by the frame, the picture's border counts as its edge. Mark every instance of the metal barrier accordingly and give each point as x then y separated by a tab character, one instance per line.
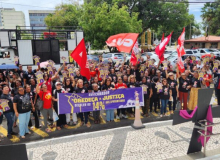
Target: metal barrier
205	133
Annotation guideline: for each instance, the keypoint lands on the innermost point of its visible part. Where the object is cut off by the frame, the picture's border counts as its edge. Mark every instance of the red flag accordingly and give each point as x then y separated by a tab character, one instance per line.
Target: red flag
161	47
135	51
180	65
80	56
181	51
124	42
180	47
162	37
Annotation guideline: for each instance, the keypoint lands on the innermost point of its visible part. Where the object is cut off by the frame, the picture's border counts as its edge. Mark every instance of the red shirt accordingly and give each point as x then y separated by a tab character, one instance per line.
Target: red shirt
47	98
122	85
97	71
48	84
207	77
93	73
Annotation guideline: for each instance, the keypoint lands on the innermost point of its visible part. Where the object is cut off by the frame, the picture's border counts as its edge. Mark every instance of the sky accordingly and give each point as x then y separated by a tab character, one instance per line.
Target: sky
25	5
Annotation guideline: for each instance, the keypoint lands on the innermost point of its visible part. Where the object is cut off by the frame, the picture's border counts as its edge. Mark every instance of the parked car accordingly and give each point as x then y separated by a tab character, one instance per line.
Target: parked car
93	57
216	52
144	55
173	59
114	56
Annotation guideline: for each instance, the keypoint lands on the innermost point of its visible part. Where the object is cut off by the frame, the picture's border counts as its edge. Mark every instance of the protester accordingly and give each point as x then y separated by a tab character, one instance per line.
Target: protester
165	95
96	114
109	112
22	106
121	85
155	95
9	114
61	122
81	89
46	97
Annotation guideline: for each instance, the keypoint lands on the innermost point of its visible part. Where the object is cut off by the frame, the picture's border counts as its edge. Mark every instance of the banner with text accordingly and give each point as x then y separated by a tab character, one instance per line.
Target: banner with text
103	100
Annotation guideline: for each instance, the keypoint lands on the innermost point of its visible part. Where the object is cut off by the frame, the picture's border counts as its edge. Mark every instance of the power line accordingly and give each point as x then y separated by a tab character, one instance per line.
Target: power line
25	5
164	1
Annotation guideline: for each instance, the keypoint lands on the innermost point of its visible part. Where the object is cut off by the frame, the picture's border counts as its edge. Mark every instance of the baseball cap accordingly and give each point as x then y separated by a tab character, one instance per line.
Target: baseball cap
58	83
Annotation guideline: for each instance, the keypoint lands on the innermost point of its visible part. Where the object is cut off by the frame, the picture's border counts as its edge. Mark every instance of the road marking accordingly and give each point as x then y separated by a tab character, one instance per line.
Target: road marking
117	120
76	126
154	114
90	117
40	132
5	132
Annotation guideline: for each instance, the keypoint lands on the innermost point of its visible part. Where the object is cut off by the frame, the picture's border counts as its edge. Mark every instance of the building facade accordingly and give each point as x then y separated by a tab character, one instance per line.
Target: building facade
9	18
203	42
37	18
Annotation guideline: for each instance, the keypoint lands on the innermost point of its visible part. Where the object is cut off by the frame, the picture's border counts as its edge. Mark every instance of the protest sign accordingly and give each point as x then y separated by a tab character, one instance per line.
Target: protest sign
159	87
216	64
64	59
165	64
51	62
142	68
36	59
64	73
16	58
4	105
212	56
39	76
150	63
50	69
201	75
70	69
104	100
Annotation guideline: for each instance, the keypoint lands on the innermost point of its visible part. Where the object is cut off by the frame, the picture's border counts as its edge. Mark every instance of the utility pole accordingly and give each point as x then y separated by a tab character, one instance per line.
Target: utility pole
190	32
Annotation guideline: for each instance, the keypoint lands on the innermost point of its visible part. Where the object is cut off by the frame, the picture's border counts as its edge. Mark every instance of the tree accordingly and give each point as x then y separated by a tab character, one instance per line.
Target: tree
65	15
100	22
211	17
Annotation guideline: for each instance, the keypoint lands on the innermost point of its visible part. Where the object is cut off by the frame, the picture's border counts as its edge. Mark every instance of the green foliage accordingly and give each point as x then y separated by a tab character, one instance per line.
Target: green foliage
211	17
100	22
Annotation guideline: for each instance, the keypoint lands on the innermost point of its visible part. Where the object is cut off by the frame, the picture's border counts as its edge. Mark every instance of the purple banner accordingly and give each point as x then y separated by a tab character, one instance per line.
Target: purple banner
103	100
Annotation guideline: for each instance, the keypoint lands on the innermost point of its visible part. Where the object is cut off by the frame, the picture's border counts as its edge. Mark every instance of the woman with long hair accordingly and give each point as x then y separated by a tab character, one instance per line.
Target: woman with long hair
69	86
81	89
109	112
165	95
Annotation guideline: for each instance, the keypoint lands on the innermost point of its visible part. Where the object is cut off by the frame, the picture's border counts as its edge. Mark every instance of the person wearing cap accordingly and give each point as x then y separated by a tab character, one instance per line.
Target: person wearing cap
61	122
175	93
184	86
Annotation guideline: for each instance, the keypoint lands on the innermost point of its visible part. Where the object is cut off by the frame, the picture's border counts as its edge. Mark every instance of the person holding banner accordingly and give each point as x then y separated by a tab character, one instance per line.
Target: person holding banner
46	97
96	114
69	86
121	85
62	117
108	86
81	89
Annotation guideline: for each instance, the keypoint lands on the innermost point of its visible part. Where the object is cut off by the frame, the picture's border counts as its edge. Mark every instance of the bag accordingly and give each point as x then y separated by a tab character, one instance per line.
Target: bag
178	105
39	103
55	116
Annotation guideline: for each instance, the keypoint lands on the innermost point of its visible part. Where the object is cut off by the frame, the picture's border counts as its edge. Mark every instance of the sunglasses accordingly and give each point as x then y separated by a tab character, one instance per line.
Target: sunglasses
20	90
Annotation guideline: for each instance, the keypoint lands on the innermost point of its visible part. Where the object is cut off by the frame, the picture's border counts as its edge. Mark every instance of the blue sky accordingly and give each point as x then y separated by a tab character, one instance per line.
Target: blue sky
26	5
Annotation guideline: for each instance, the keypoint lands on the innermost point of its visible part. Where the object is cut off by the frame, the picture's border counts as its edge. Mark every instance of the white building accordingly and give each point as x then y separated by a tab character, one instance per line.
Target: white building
9	18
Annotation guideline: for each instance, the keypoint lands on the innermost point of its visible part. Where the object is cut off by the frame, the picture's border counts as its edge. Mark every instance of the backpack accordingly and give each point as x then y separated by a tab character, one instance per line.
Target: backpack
26	102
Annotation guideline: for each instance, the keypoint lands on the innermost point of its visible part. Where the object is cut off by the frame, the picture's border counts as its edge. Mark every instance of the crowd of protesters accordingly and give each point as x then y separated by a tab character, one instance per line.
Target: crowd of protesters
21	91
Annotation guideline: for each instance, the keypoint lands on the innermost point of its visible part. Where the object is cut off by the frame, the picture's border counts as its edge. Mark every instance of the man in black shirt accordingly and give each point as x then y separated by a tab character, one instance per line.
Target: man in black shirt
195	82
9	114
27	76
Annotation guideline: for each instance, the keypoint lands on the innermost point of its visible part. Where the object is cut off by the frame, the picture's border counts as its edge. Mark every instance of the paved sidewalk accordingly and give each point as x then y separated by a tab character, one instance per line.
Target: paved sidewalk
159	140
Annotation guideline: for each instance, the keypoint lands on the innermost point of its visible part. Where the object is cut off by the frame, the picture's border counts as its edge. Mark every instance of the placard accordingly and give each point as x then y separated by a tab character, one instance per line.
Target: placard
70	69
165	65
64	73
50	69
39	76
4	105
64	59
51	62
201	75
159	87
36	59
216	64
16	58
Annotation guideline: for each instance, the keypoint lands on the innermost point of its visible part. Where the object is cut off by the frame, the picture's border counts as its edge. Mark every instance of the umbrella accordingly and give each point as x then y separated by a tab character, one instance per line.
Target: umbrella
8	66
44	64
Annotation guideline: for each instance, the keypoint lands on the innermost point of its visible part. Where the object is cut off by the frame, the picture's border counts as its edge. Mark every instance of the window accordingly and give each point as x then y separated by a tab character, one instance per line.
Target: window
107	55
4	54
189	52
202	51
